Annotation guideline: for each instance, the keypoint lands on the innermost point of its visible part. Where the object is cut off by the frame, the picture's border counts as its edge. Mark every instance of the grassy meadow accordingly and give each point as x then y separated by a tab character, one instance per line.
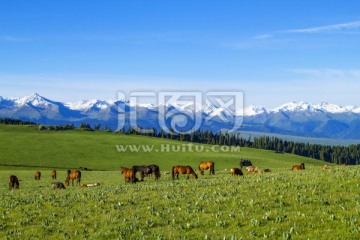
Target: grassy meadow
282	204
25	147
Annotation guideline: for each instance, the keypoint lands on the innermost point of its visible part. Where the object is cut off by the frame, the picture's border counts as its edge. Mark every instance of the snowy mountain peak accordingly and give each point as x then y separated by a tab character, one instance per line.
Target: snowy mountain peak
87	104
34	99
254	110
295	107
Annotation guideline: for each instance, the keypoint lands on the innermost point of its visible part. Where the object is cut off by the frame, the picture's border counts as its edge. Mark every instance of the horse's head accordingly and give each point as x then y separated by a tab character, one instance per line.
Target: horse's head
67	182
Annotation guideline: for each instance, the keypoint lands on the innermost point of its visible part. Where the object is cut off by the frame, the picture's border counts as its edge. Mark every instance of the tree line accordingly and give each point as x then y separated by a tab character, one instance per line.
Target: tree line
349	155
11	121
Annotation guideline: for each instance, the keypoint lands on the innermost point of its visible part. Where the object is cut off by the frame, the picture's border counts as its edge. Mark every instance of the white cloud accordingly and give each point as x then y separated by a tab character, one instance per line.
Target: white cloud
263	36
341	26
329	73
11	39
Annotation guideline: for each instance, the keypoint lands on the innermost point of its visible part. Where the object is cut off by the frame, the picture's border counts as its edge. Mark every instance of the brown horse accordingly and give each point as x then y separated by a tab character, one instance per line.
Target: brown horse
128	173
325	167
37	175
176	170
298	167
252	169
13	182
236	171
53	174
207	166
72	176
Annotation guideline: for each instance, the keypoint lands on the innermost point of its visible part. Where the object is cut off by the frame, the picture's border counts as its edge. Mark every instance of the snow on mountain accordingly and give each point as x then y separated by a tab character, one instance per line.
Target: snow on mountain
33	99
295	107
87	104
319	120
253	110
333	108
37	100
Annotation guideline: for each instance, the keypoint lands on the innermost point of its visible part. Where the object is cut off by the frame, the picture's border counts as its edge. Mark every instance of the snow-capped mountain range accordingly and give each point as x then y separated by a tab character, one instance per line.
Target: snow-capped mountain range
300	119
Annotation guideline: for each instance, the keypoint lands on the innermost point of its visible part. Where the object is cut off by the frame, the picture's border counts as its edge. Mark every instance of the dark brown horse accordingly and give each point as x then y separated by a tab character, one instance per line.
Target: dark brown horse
53	174
207	166
72	176
176	170
37	175
13	182
59	185
245	162
146	171
236	171
298	167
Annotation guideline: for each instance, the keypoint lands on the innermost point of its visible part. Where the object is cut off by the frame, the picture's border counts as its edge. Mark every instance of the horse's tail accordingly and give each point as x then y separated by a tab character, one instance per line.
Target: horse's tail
213	168
173	173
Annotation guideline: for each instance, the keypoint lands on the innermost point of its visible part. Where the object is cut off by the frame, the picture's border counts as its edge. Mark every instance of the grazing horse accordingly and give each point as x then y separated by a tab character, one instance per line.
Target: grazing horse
236	171
298	167
252	169
245	162
128	173
13	182
176	170
325	167
146	171
73	175
207	165
53	174
37	175
59	185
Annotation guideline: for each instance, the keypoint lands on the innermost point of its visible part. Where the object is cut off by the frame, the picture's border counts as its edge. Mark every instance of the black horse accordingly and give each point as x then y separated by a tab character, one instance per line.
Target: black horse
245	162
146	171
13	182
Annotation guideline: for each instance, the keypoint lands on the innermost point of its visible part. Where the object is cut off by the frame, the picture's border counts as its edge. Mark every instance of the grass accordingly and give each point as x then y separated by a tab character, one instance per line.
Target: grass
24	147
309	204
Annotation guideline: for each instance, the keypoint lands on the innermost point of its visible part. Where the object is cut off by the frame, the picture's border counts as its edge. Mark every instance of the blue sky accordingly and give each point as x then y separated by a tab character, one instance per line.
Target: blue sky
273	51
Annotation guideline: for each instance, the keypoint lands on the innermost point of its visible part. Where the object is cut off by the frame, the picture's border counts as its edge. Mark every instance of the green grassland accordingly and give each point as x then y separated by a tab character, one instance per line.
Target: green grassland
309	204
28	148
282	204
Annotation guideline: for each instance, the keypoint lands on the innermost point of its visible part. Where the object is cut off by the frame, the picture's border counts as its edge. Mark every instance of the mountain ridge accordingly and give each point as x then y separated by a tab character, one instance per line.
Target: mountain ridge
300	119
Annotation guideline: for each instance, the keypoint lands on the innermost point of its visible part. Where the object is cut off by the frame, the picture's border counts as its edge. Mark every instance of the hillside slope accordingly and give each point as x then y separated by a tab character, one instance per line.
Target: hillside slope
24	147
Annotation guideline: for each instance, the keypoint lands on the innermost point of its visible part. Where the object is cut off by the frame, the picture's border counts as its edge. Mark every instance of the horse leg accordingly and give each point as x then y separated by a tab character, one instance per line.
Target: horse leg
142	174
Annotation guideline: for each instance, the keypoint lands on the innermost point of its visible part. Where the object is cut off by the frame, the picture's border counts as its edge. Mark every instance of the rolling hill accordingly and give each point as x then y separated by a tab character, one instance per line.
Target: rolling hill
24	147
